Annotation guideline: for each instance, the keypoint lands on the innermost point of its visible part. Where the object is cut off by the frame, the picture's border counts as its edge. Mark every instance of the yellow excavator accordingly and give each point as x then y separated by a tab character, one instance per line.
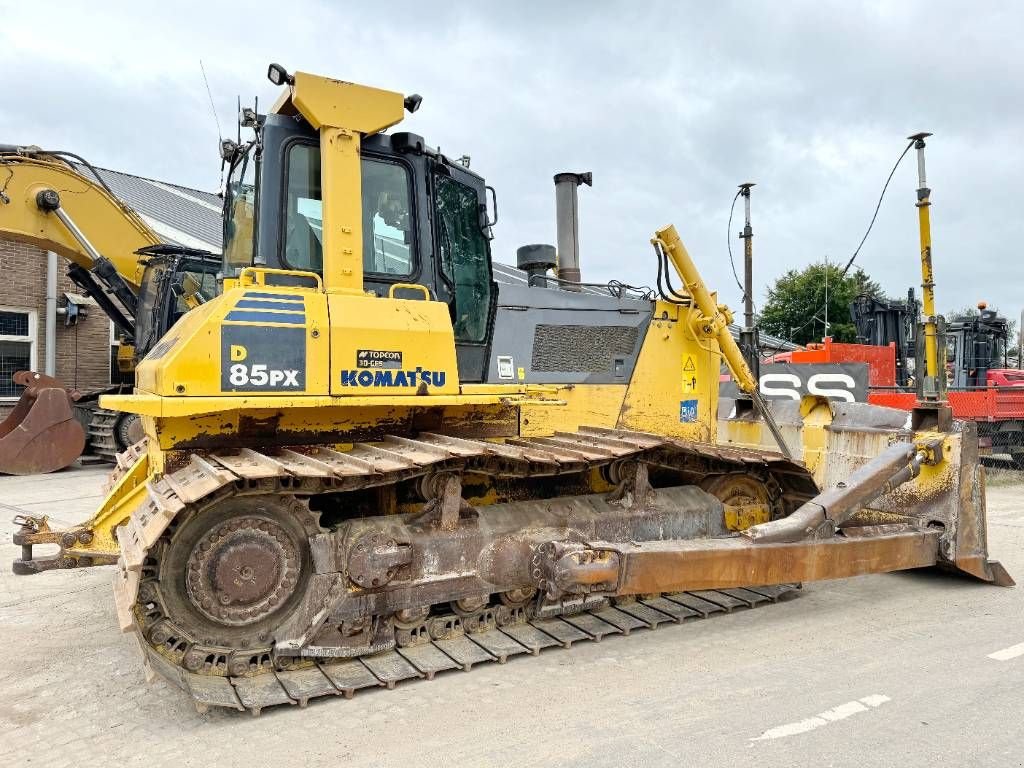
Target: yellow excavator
366	461
58	202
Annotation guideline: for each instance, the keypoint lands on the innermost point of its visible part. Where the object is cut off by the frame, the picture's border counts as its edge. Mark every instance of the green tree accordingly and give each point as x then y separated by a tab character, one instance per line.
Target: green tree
796	303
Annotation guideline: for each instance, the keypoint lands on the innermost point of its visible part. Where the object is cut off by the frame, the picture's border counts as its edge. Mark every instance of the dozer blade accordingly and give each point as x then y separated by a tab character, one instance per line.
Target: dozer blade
41	434
878	476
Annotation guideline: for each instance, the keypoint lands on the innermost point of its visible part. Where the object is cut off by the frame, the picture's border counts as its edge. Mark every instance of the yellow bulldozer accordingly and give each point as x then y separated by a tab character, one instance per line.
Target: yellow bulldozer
366	461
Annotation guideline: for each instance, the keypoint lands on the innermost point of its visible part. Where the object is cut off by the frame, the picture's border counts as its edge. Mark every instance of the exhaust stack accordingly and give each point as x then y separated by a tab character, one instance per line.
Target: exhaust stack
567	226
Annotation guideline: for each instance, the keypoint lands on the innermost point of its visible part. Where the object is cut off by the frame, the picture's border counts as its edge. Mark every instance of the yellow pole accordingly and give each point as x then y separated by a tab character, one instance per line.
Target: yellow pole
932	385
341	180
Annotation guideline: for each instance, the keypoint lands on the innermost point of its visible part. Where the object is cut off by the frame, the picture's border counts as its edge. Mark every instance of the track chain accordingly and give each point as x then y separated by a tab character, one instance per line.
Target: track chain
461	651
308	470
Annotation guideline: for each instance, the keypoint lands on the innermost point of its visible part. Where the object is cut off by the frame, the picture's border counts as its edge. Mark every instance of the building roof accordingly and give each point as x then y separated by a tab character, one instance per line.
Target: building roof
177	215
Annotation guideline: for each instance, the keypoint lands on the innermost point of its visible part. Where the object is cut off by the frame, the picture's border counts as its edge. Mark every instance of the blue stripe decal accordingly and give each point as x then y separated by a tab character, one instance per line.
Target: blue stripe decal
253	316
284	306
281	296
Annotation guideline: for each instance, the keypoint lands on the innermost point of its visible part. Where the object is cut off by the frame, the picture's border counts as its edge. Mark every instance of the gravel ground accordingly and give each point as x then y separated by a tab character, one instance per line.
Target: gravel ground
882	670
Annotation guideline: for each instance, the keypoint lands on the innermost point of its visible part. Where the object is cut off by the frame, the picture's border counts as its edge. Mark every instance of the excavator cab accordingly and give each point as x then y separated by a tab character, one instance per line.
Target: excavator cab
174	280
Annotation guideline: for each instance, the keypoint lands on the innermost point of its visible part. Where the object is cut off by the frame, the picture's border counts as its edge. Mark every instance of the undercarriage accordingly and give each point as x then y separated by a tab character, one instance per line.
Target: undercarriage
254	579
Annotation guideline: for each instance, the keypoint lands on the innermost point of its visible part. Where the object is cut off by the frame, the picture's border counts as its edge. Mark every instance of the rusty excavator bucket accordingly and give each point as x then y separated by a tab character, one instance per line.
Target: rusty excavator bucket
41	434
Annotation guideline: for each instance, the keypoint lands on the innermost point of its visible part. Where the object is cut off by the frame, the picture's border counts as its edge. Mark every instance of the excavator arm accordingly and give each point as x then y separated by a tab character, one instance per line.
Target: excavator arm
115	230
46	201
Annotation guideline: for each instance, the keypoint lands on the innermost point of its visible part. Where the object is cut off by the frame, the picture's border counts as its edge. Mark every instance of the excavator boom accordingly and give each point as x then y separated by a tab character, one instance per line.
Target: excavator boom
55	205
36	184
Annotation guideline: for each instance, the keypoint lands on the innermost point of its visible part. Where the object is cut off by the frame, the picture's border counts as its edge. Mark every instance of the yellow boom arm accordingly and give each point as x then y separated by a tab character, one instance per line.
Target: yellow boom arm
715	319
115	230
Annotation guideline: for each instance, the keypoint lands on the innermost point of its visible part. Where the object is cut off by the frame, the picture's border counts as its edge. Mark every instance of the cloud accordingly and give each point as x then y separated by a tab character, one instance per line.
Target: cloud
671	105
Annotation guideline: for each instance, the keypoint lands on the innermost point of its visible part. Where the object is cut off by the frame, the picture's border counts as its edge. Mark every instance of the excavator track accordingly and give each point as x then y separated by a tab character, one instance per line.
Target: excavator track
111	433
227	652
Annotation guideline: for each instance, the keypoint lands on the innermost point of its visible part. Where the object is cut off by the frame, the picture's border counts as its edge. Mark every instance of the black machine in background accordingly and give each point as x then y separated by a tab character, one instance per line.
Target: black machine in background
881	322
975	346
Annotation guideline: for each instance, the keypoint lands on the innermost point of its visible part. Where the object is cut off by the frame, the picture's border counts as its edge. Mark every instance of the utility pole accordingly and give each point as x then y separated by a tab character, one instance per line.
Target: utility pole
826	298
1020	342
749	341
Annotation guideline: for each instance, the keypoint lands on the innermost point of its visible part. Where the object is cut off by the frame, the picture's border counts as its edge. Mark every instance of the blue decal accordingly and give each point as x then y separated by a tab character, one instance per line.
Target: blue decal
688	410
279	296
286	306
255	316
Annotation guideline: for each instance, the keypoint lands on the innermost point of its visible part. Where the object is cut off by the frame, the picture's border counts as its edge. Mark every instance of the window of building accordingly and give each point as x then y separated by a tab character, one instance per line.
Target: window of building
17	348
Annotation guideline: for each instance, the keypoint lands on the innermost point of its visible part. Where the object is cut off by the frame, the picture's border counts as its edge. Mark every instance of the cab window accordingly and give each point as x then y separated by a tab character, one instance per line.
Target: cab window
387	219
304	218
465	262
386	207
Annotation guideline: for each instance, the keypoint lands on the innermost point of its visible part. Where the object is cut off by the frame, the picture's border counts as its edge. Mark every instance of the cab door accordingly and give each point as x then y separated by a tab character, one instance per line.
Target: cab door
462	265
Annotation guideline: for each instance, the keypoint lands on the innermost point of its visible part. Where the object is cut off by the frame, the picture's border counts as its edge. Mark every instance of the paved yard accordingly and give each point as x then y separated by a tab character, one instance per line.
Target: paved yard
915	669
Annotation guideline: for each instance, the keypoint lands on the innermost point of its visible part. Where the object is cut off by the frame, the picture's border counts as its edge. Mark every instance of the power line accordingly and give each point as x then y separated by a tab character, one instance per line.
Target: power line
875	214
867	232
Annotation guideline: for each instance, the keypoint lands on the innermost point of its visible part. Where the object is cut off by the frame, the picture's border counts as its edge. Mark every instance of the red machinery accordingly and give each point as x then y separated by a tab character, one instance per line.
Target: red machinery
881	360
997	404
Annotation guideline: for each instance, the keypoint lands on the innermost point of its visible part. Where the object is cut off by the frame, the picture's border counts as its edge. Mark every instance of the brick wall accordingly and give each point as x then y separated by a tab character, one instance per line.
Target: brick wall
83	350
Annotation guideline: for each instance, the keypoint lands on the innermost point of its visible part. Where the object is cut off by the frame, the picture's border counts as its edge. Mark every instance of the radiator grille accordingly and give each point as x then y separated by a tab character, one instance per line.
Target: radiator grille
581	348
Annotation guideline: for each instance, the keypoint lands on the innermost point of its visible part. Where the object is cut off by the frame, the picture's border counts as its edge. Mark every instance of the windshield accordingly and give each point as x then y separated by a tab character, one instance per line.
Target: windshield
240	212
147	313
387	215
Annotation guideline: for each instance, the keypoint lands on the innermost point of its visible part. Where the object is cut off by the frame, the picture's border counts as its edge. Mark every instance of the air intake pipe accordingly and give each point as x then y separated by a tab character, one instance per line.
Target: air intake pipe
567	226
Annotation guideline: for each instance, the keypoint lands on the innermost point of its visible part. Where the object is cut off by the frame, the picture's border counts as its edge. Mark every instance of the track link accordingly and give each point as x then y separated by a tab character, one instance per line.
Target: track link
206	671
460	652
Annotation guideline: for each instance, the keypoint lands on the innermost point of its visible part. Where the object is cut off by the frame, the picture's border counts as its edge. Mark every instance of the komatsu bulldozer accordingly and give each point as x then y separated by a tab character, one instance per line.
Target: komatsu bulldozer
367	461
58	202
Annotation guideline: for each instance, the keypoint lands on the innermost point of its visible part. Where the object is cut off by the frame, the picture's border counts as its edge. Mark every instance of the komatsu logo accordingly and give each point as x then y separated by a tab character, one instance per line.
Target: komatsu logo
389	378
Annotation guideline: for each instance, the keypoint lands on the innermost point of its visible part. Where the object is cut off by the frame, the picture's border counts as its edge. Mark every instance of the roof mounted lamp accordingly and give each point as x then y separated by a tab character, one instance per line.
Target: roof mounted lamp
412	102
278	75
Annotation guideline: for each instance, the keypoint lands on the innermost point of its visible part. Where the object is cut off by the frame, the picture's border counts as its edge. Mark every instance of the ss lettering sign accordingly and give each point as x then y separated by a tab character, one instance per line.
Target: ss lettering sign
846	382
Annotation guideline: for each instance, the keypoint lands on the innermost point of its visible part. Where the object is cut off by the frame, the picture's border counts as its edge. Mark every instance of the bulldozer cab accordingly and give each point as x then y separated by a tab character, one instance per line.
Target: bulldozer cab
424	219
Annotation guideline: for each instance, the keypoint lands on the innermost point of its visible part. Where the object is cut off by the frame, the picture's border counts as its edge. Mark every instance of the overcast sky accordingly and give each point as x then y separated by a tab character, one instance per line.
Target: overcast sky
670	105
